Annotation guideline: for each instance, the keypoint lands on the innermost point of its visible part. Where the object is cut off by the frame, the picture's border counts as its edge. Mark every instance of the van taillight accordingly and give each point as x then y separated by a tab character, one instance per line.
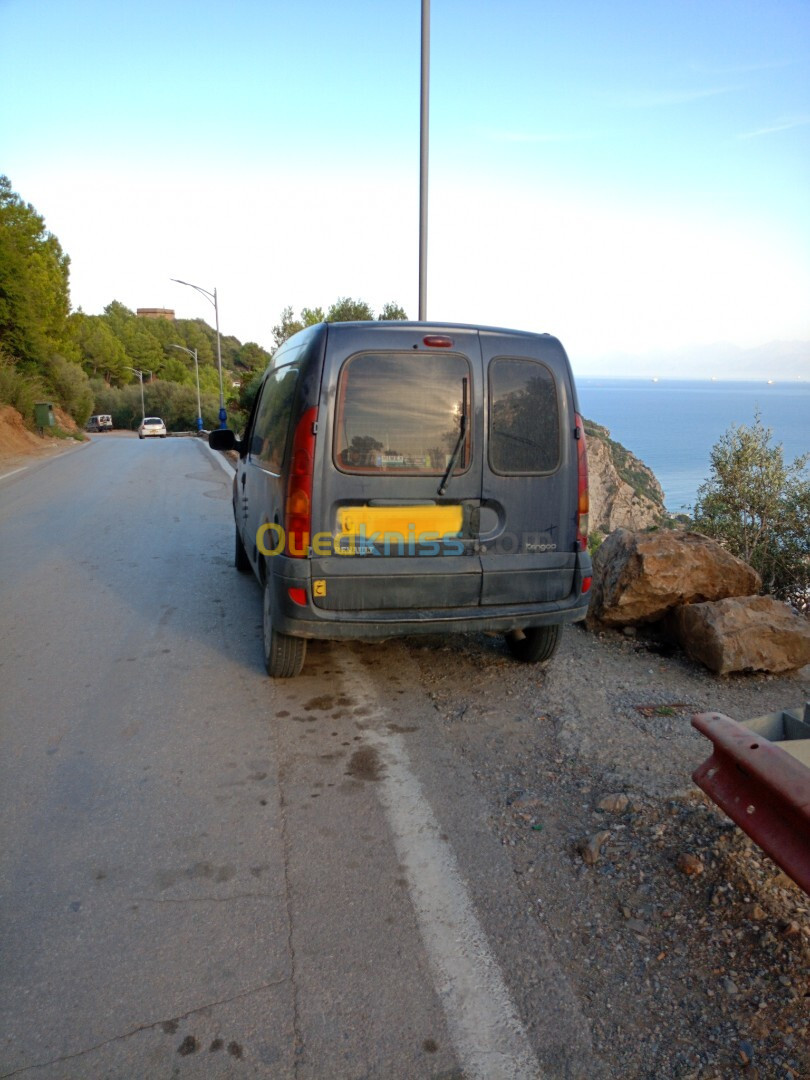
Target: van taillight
298	513
582	484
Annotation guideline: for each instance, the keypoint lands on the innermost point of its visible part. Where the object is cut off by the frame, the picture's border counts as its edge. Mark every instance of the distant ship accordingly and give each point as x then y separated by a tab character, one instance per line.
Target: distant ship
655	378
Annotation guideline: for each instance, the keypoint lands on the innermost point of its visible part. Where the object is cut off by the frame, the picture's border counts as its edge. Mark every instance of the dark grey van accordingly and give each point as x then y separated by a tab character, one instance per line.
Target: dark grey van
403	478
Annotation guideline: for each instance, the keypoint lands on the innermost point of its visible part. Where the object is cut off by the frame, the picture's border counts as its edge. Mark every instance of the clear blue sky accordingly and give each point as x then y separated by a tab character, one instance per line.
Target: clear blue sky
634	177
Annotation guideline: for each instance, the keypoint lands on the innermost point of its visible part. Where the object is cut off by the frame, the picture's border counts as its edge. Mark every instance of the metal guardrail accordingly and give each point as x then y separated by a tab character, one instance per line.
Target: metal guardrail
763	789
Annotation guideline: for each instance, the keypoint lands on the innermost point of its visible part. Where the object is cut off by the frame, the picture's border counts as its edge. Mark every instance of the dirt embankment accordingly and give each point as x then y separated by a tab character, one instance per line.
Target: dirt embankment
18	443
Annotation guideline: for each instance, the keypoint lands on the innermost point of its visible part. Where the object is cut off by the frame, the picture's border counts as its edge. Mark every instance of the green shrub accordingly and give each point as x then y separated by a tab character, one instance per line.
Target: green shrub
71	388
759	509
18	389
595	539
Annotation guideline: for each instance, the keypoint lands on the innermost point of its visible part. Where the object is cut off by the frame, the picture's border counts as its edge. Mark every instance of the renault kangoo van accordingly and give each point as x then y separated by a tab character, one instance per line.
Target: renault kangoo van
401	478
100	423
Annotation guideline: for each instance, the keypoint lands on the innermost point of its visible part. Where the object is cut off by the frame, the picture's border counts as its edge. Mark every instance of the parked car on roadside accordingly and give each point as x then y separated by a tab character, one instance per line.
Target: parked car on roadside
151	427
99	423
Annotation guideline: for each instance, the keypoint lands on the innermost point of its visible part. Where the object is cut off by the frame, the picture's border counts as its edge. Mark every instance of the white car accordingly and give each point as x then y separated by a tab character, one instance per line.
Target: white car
151	426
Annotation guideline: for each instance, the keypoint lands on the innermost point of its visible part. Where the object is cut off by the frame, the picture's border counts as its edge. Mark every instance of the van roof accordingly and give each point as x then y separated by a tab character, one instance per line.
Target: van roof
436	324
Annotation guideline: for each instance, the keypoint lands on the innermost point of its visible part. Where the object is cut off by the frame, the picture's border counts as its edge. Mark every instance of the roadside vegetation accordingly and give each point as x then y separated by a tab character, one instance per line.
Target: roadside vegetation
758	507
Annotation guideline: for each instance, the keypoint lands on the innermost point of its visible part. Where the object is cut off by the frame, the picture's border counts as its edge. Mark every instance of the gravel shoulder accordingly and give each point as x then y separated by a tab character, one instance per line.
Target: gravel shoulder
688	948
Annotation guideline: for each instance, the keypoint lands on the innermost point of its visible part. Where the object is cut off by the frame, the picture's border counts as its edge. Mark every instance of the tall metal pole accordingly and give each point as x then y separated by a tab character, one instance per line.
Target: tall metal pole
423	159
139	373
222	414
212	297
199	403
193	352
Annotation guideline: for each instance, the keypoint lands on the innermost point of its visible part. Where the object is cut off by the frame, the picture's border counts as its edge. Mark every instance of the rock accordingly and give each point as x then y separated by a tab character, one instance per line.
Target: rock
623	491
746	1053
614	804
730	987
688	864
637	926
524	802
750	633
593	848
640	577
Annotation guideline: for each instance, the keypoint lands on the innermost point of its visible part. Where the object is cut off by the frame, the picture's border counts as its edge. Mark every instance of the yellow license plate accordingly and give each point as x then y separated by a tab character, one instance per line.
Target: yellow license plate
406	521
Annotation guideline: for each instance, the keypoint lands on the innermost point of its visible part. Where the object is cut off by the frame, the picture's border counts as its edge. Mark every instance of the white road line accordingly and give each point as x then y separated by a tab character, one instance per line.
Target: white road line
489	1038
5	476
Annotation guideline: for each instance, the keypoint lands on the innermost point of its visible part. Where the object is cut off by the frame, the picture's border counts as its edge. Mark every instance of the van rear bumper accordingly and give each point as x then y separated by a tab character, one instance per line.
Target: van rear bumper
311	622
366	627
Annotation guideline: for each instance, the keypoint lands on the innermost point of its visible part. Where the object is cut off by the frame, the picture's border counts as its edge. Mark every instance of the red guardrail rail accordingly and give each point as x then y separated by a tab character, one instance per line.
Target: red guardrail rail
762	788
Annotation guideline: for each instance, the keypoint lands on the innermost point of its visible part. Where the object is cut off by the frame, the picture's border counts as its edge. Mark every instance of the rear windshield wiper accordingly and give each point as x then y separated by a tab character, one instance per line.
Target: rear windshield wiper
462	434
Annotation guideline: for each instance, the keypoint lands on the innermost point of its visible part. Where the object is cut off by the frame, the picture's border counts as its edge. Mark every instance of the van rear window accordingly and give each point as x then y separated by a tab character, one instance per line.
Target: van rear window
401	413
524	418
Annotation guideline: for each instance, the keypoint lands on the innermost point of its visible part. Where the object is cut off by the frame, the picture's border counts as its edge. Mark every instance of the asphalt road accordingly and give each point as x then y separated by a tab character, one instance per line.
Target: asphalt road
205	872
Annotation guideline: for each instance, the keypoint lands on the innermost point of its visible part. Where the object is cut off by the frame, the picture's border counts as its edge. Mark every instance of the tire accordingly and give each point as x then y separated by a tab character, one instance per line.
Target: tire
535	644
240	558
140	436
283	655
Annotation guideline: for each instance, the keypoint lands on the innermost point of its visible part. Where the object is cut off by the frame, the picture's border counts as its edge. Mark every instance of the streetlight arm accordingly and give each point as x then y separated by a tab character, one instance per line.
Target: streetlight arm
212	296
182	348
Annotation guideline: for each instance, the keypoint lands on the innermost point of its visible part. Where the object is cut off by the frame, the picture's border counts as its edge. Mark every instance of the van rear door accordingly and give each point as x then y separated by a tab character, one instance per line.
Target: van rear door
398	476
529	485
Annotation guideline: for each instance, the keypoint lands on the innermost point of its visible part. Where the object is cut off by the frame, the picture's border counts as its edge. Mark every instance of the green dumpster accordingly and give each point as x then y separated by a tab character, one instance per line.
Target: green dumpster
43	416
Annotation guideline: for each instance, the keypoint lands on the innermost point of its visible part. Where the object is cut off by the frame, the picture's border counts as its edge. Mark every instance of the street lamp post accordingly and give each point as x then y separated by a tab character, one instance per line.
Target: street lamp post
193	352
424	114
212	297
139	373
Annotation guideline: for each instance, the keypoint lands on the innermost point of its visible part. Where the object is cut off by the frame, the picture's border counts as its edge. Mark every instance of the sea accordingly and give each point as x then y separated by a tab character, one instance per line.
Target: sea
672	425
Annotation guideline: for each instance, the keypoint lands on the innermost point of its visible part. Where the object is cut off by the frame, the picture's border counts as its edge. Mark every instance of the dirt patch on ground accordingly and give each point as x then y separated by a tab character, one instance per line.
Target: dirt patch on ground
15	438
18	443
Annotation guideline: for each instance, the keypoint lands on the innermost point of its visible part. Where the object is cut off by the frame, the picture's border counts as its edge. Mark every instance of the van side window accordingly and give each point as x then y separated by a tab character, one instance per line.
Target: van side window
269	436
400	412
524	417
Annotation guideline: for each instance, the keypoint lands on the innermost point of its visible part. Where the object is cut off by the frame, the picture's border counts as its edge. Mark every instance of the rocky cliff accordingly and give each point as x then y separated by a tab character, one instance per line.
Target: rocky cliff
624	492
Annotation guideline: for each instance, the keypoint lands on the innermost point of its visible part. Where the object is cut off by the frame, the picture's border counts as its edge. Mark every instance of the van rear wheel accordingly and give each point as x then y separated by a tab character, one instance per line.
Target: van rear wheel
283	655
535	644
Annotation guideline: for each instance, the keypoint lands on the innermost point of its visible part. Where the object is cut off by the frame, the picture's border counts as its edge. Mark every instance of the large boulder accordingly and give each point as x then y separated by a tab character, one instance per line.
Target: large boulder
638	577
750	633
